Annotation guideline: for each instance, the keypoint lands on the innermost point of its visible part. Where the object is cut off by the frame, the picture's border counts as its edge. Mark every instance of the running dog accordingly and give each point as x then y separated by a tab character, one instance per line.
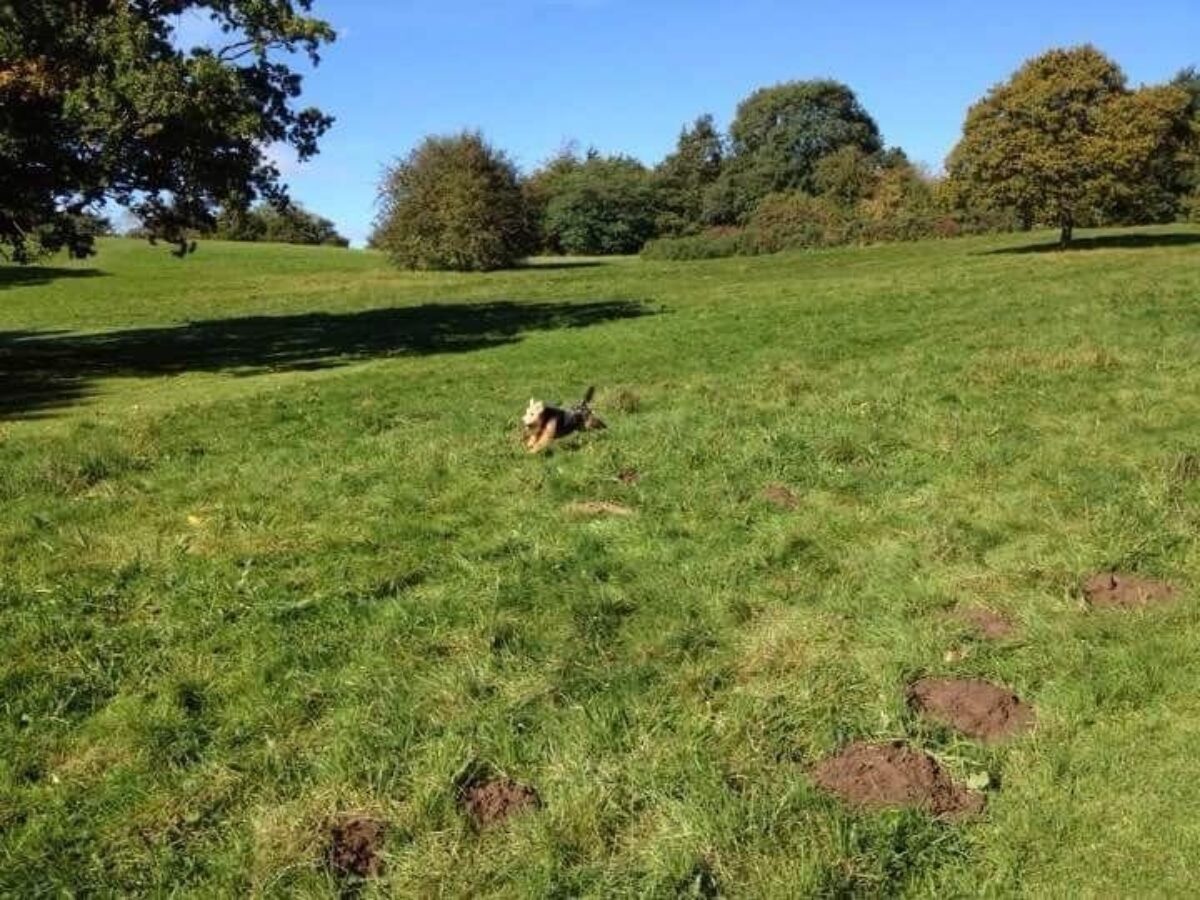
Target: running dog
544	424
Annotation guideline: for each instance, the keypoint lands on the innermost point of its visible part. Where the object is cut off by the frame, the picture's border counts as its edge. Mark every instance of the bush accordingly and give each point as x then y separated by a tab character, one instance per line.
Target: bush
794	220
453	203
713	244
599	206
283	224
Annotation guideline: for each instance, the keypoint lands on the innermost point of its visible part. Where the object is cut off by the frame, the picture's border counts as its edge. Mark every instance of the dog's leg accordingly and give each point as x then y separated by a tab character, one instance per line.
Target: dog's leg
544	437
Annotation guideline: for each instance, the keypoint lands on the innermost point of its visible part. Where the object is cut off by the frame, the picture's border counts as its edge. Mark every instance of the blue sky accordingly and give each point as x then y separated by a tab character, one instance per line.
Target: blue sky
626	75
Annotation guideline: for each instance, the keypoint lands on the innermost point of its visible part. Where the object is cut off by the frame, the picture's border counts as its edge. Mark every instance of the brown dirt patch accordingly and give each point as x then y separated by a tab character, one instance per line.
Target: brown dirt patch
598	508
891	775
986	623
780	495
491	802
1115	590
353	849
978	709
629	476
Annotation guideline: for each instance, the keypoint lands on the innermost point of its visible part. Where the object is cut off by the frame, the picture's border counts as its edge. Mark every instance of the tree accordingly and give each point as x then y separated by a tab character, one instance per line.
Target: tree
901	205
601	205
453	203
1065	141
846	176
1186	182
290	224
683	178
539	187
778	136
98	103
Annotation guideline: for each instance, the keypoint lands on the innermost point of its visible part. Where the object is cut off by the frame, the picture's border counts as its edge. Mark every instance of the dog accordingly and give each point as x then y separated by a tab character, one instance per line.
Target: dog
544	423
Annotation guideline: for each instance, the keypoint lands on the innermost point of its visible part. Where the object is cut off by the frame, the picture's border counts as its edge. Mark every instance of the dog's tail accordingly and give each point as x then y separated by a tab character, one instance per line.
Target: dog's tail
588	395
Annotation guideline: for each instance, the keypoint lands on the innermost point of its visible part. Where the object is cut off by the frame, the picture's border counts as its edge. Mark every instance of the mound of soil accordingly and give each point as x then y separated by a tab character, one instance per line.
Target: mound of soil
491	802
780	495
598	508
891	775
978	709
984	622
1115	590
353	849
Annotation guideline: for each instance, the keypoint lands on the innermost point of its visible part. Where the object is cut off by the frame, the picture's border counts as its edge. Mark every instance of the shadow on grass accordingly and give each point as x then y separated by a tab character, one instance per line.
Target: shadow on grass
29	276
44	371
1109	242
554	263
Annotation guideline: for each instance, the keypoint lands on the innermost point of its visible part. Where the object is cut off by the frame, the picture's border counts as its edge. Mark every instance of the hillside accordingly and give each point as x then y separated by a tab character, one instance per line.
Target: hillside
271	556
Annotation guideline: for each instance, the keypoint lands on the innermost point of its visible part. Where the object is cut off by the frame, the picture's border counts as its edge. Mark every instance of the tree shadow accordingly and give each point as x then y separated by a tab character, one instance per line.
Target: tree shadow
549	264
44	371
1108	242
29	276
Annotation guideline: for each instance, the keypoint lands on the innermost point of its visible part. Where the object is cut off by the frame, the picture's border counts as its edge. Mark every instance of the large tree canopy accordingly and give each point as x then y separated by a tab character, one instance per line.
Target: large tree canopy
1065	141
596	206
778	136
453	203
99	103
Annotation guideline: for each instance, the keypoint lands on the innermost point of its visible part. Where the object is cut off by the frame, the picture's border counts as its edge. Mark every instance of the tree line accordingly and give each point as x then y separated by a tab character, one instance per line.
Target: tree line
101	107
1064	143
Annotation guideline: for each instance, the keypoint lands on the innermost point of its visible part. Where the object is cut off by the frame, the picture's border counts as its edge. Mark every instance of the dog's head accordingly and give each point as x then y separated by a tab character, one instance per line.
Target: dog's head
533	413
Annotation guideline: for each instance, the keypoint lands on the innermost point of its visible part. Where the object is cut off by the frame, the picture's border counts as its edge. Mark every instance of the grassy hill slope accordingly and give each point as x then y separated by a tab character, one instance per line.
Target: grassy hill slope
270	553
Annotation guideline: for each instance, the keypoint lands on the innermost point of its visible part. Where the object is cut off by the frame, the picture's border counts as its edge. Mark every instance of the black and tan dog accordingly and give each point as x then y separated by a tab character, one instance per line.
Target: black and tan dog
545	423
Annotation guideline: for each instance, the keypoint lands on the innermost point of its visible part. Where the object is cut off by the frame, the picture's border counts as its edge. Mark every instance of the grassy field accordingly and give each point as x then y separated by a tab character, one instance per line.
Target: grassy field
270	553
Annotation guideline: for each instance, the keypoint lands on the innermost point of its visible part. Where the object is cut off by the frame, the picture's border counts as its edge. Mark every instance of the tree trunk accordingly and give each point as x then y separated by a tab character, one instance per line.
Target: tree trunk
1068	230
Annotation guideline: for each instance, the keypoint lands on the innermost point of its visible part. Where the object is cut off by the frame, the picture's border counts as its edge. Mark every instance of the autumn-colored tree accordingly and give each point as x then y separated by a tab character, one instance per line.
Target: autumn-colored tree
453	203
846	176
1066	141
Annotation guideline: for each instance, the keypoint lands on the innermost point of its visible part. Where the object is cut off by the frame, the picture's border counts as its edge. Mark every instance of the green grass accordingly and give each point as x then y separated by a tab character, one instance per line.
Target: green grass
256	571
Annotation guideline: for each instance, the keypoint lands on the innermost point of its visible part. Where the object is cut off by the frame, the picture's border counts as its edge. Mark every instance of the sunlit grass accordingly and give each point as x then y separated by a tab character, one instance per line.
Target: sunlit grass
255	572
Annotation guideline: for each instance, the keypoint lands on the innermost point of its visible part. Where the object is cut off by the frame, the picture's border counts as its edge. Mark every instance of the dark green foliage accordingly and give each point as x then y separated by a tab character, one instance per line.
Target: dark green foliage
1185	184
599	205
539	187
97	103
862	198
290	224
95	224
453	203
683	178
777	138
